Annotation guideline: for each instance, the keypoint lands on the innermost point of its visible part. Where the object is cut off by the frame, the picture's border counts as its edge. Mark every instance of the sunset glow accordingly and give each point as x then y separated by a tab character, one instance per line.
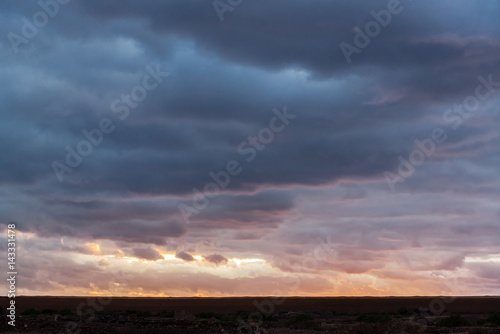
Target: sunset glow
163	148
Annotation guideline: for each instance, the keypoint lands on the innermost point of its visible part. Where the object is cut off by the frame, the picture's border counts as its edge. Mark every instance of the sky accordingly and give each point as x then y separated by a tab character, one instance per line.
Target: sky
244	148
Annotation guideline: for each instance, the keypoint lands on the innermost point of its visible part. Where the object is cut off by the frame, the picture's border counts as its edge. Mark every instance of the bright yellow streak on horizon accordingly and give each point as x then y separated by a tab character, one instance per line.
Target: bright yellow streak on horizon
170	257
489	258
93	247
238	261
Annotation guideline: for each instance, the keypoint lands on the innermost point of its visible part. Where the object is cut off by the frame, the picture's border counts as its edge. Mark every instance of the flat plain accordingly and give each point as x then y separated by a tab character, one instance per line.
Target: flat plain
255	315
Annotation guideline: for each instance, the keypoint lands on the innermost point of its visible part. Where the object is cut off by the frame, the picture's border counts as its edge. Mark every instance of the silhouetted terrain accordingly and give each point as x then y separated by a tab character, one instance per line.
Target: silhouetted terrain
257	315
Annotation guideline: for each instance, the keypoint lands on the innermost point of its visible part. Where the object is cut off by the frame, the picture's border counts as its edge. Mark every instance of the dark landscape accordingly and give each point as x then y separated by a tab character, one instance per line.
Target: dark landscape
256	315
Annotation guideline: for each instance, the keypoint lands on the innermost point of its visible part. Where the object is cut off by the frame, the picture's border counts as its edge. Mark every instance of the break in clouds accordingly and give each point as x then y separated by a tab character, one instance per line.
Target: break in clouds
213	149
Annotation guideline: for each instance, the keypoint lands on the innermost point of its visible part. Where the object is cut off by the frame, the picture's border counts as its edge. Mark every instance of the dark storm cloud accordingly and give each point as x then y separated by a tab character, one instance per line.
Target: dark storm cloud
184	256
216	258
264	209
130	230
147	253
352	120
300	34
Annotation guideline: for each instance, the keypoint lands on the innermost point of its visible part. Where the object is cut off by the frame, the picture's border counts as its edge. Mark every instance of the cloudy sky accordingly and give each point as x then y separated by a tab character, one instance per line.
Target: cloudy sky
198	148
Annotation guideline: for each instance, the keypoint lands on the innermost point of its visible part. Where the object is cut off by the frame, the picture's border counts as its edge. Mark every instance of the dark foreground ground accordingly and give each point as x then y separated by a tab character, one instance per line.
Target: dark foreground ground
363	315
